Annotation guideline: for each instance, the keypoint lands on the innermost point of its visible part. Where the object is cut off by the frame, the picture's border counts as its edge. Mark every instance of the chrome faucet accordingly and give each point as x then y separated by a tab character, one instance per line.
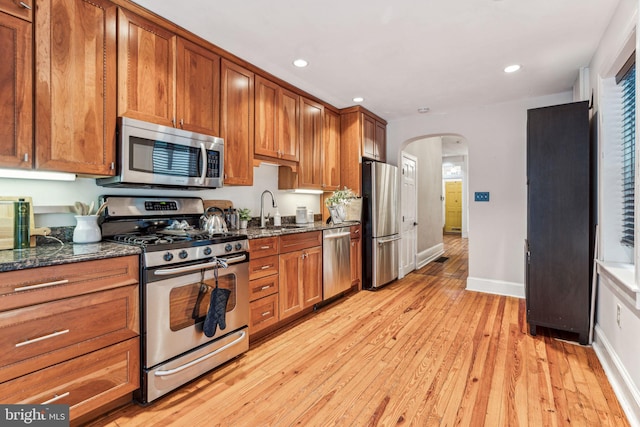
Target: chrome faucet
263	222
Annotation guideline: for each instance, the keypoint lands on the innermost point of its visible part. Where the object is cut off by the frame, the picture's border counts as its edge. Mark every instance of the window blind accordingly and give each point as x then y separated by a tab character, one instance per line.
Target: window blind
628	83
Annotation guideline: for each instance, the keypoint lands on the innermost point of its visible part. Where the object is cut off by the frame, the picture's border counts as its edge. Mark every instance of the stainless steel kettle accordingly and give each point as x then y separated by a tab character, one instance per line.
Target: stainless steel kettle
213	222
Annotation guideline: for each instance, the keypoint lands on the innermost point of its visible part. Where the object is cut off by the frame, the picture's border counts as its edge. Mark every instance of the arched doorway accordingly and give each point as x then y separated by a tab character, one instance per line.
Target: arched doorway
422	240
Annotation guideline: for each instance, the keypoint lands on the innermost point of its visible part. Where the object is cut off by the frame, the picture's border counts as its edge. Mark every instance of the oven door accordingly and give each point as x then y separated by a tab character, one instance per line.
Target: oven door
175	308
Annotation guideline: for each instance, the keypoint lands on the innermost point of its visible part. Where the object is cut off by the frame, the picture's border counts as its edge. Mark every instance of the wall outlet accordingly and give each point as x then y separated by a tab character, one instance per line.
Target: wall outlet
481	196
618	315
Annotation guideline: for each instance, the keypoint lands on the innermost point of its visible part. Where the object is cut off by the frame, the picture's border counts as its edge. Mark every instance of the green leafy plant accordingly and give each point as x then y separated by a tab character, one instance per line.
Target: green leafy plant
340	197
245	214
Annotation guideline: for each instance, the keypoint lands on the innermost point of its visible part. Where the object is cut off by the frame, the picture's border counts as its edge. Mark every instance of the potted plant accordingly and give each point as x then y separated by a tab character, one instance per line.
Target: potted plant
337	203
245	216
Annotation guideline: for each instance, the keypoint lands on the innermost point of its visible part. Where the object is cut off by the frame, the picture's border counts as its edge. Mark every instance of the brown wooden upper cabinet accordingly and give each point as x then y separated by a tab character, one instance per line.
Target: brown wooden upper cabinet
75	86
363	135
236	124
166	79
198	89
16	82
146	70
331	151
276	121
20	9
311	126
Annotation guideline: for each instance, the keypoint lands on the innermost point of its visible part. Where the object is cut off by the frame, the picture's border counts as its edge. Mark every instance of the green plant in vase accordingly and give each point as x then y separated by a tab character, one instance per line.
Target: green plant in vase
244	215
337	204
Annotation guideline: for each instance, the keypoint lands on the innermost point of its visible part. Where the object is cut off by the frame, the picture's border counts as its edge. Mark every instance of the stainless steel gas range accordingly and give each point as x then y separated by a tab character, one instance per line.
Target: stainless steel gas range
186	277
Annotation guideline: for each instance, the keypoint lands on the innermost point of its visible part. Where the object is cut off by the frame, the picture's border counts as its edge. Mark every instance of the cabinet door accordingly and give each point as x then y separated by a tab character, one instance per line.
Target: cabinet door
237	123
290	289
381	142
288	124
266	140
368	136
198	88
76	86
310	171
16	80
146	70
311	276
331	151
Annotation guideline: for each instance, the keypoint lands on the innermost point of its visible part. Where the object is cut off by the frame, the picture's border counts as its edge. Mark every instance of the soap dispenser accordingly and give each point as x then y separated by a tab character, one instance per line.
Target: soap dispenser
276	219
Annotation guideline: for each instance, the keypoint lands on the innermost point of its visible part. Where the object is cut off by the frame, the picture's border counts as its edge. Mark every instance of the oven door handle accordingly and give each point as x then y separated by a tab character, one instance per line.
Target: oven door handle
200	359
195	267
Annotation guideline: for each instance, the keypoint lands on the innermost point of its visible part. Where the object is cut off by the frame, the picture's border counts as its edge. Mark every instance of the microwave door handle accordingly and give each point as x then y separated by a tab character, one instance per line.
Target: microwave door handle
203	151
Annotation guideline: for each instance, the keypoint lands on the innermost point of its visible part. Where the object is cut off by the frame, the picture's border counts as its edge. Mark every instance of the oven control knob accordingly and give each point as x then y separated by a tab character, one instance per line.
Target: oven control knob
168	256
238	246
207	251
228	247
183	254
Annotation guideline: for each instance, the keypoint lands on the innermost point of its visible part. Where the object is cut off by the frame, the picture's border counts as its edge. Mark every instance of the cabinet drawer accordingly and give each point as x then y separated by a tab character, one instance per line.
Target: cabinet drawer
84	383
263	267
264	313
262	287
22	288
263	247
44	334
355	231
297	241
16	8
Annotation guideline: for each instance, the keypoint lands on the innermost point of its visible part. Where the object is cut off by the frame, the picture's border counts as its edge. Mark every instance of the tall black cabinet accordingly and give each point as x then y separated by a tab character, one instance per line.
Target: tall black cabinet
560	218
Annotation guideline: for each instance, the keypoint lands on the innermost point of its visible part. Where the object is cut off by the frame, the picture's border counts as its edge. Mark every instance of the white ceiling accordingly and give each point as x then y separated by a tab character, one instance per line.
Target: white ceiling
404	54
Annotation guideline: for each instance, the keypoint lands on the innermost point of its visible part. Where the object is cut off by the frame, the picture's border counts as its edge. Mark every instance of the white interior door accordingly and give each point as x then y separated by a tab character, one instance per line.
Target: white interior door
408	215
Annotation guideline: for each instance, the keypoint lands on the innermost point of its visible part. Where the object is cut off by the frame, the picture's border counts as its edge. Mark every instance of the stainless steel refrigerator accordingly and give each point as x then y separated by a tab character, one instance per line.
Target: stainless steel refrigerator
379	217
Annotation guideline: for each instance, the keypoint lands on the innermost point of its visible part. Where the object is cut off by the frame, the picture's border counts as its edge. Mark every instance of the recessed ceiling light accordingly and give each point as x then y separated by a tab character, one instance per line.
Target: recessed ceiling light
512	68
358	99
300	63
423	110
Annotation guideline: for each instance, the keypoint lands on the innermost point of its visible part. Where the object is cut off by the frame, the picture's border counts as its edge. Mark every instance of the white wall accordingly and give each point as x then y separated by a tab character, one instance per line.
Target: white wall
496	135
48	193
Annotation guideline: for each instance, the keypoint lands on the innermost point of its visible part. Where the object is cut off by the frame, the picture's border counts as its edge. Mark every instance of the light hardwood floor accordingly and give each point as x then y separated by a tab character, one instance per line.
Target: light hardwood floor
421	351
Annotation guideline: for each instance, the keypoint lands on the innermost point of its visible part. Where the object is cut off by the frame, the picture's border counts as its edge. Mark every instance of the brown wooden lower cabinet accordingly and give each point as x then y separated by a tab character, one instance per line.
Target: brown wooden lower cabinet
70	334
300	280
84	383
264	313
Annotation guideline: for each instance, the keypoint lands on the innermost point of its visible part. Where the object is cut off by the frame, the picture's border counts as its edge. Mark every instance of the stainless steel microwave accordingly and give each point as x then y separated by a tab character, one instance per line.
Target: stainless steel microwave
151	156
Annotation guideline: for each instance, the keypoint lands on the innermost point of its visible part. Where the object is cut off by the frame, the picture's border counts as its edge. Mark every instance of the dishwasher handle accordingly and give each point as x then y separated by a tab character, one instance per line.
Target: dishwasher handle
335	236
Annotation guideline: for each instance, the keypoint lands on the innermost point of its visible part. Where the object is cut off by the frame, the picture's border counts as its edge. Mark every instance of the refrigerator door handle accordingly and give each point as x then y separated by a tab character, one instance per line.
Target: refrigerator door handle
393	239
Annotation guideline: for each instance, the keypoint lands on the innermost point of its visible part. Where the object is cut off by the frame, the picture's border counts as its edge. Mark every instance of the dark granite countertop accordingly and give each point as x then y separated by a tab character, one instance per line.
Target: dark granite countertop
257	232
54	253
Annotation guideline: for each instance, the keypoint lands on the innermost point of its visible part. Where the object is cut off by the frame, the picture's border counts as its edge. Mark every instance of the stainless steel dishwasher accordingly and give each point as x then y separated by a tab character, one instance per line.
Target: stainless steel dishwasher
336	261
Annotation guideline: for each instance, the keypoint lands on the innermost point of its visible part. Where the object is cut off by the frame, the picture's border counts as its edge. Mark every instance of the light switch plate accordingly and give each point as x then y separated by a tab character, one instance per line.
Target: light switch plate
481	196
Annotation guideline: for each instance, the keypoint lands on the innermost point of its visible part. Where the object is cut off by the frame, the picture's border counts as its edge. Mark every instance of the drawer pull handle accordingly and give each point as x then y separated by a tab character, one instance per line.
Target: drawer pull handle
266	313
24	5
44	337
56	397
265	247
264	288
41	285
265	267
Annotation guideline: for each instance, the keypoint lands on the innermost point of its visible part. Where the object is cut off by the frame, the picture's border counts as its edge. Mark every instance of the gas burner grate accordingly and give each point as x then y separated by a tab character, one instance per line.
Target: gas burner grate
147	240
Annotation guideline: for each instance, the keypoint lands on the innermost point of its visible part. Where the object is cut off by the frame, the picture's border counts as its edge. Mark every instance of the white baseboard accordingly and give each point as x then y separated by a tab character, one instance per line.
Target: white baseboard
497	287
428	255
619	378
